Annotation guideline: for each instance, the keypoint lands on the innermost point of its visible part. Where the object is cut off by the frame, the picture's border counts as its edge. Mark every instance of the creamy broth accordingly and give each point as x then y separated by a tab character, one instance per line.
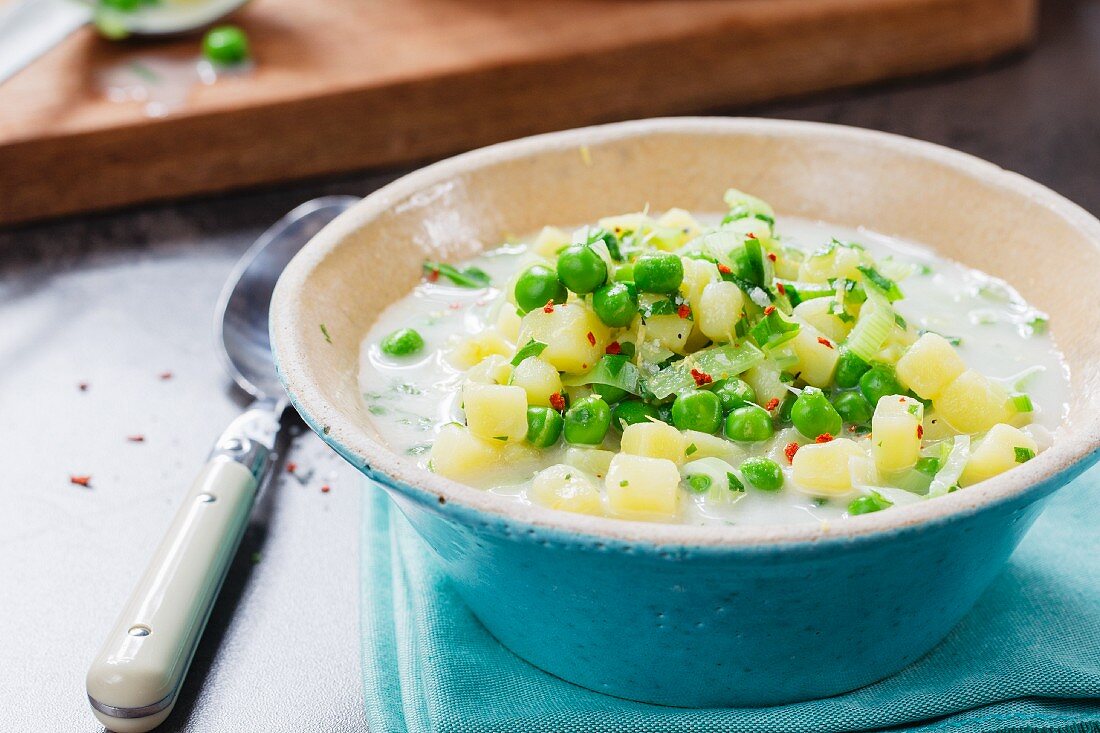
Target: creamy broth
411	398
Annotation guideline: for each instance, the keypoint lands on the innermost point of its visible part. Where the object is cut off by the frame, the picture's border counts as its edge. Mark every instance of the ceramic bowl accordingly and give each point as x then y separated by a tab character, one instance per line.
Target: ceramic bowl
687	615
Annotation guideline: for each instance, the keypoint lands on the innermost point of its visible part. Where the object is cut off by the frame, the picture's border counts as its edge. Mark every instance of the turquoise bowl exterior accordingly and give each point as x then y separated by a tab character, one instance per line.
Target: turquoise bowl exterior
699	626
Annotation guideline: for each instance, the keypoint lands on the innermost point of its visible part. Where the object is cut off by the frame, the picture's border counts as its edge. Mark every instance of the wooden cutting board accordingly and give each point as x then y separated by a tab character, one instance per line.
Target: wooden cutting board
341	85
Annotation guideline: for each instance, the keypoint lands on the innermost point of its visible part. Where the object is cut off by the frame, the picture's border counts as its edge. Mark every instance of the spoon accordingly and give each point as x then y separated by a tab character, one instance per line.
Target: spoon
136	677
29	28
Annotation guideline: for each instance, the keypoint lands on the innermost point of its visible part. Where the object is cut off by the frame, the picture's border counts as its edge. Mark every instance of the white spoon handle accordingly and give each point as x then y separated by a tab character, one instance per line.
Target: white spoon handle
30	28
134	681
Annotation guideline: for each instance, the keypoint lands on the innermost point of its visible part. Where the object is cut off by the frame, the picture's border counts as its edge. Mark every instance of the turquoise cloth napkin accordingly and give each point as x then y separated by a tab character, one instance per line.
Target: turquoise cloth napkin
1027	658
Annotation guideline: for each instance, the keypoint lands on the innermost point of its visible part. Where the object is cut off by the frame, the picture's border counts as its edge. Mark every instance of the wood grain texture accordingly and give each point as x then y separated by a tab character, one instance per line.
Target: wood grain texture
347	84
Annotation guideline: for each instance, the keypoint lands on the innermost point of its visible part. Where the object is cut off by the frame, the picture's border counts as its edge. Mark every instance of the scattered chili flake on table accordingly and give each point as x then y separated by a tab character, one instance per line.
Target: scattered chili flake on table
825	342
769	310
591	338
136	438
823	438
83	386
683	311
325	489
166	375
790	450
85	481
772	404
781	288
724	269
920	432
291	467
557	401
701	378
614	348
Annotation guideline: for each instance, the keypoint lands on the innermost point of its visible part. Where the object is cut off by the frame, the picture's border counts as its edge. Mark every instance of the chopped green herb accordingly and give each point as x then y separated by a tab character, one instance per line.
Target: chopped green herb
624	483
470	277
699	482
690	449
324	332
1039	324
1023	455
885	284
501	438
1022	403
734	482
529	349
953	340
873	502
820	501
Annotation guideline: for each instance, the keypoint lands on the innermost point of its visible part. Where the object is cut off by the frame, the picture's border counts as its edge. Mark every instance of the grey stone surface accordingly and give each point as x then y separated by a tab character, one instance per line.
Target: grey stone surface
116	299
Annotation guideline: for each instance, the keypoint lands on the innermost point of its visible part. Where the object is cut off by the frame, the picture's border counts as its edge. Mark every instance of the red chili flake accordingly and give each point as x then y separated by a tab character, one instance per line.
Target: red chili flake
291	467
83	386
781	288
701	378
772	257
136	438
851	428
920	432
769	310
825	342
683	311
823	438
433	275
790	450
614	348
901	399
557	401
750	235
549	307
325	489
724	269
81	480
772	404
591	338
166	375
454	306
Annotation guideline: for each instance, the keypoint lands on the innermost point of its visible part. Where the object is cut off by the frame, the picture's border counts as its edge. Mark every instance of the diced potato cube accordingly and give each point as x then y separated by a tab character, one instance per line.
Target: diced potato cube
718	309
538	378
655	440
698	274
495	412
929	366
1002	448
472	349
624	223
822	469
595	461
508	322
670	331
973	403
896	432
638	487
493	369
840	262
936	428
566	488
817	356
764	378
575	336
816	313
549	241
711	446
681	219
462	456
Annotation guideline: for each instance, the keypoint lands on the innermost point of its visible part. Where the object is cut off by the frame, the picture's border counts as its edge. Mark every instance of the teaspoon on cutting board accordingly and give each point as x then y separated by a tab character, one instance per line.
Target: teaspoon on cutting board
136	677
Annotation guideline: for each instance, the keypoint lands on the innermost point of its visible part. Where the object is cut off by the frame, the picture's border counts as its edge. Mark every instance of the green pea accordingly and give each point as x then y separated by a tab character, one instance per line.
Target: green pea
609	394
581	269
697	409
873	502
616	303
762	473
734	393
878	382
543	426
402	342
699	483
537	286
853	407
587	421
849	369
813	415
660	272
226	44
749	424
624	273
629	412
